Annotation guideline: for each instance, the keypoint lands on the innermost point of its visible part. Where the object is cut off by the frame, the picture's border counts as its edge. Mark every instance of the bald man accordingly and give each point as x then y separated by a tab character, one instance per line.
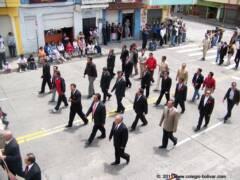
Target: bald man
119	133
11	154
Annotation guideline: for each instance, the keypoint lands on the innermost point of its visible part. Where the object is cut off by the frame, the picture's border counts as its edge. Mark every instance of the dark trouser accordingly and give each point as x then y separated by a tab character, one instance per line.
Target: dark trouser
230	105
167	135
200	120
181	103
120	106
221	59
73	113
144	44
44	81
94	132
128	82
161	95
32	65
152	72
147	90
2	59
61	98
140	116
110	70
105	94
12	50
237	58
119	153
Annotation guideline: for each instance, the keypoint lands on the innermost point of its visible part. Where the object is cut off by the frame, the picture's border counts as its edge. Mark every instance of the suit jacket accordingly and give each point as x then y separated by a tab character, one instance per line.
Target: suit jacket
13	157
46	71
76	100
105	80
124	55
111	61
223	50
181	94
166	84
100	113
208	107
170	120
236	97
120	87
128	68
91	70
197	81
140	105
34	173
120	135
146	79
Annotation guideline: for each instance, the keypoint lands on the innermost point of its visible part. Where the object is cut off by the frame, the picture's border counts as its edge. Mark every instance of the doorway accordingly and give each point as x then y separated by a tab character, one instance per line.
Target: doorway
87	24
128	17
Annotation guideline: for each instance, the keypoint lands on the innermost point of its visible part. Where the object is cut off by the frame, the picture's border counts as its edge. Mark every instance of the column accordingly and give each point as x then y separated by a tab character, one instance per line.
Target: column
137	23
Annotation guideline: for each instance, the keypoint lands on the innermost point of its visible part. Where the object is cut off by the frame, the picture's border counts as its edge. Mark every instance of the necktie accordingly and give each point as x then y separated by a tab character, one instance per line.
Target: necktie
94	108
26	170
168	111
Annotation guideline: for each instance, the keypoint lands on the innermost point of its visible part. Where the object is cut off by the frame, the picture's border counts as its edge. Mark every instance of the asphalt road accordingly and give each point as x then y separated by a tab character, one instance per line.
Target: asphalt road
62	154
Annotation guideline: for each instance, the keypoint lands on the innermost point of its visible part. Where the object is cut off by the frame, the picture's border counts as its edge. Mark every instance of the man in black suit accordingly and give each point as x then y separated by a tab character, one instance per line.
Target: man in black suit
165	88
233	97
32	170
11	154
205	108
140	106
105	83
119	87
146	80
98	111
223	52
197	81
111	62
46	77
76	106
60	88
180	95
128	71
119	133
123	56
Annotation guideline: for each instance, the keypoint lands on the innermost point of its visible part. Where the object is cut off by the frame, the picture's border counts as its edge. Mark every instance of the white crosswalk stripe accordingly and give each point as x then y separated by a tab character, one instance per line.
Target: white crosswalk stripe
236	78
189	50
184	46
200	53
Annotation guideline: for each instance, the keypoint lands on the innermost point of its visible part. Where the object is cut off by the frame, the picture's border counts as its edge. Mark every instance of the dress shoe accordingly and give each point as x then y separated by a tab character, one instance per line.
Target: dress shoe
52	101
86	122
109	97
197	129
162	147
66	106
175	142
101	137
122	112
205	126
117	111
68	126
40	92
132	129
182	112
128	159
115	163
88	143
89	97
144	124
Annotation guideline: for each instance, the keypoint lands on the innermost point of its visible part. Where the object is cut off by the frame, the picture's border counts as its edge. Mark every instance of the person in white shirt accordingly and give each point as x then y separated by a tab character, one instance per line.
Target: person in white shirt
142	60
76	47
22	63
60	48
2	54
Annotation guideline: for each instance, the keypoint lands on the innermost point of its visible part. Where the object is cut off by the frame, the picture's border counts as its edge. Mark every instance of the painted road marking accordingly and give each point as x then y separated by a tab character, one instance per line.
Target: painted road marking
189	50
236	78
200	53
3	99
183	46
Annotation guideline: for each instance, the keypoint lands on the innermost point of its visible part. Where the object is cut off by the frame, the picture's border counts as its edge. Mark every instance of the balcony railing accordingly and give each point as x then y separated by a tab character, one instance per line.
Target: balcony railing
96	1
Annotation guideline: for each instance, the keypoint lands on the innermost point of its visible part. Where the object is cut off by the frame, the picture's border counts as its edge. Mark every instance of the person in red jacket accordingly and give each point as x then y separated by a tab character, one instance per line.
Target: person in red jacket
69	49
151	64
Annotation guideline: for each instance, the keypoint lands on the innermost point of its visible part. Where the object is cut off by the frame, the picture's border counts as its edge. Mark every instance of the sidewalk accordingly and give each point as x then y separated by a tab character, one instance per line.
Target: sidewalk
117	46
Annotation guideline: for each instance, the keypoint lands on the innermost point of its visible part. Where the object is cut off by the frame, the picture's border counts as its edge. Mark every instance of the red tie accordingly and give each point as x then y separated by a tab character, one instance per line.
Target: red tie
94	108
26	170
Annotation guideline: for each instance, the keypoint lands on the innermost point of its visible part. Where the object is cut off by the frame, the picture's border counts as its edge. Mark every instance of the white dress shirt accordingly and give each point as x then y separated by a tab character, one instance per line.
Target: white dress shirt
205	100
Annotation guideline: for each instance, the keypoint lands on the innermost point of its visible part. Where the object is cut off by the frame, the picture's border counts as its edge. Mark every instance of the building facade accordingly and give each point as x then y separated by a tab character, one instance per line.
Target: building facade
10	22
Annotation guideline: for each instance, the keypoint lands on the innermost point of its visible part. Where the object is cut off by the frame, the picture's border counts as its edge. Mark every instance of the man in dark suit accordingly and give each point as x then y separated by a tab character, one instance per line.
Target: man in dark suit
205	108
111	62
197	81
11	154
128	71
140	106
233	97
123	56
119	133
223	52
76	106
60	88
46	77
32	170
180	95
105	83
119	87
165	88
146	80
98	111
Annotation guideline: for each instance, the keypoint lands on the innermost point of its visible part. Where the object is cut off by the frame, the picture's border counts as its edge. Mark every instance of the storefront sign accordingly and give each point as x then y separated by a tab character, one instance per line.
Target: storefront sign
45	1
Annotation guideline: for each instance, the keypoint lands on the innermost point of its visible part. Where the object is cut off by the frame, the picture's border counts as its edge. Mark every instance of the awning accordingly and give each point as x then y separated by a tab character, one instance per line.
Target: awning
209	4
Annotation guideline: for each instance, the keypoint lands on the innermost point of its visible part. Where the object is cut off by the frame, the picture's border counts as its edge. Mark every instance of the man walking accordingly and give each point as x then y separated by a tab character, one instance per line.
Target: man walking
76	106
119	133
165	88
151	64
123	56
206	45
237	56
60	88
146	81
163	67
209	83
182	73
233	97
180	95
91	71
55	70
32	170
105	83
46	77
120	87
98	111
205	108
144	38
169	119
111	62
197	81
140	106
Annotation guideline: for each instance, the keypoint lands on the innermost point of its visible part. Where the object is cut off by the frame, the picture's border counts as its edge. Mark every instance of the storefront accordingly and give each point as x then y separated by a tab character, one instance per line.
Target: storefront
48	24
232	14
